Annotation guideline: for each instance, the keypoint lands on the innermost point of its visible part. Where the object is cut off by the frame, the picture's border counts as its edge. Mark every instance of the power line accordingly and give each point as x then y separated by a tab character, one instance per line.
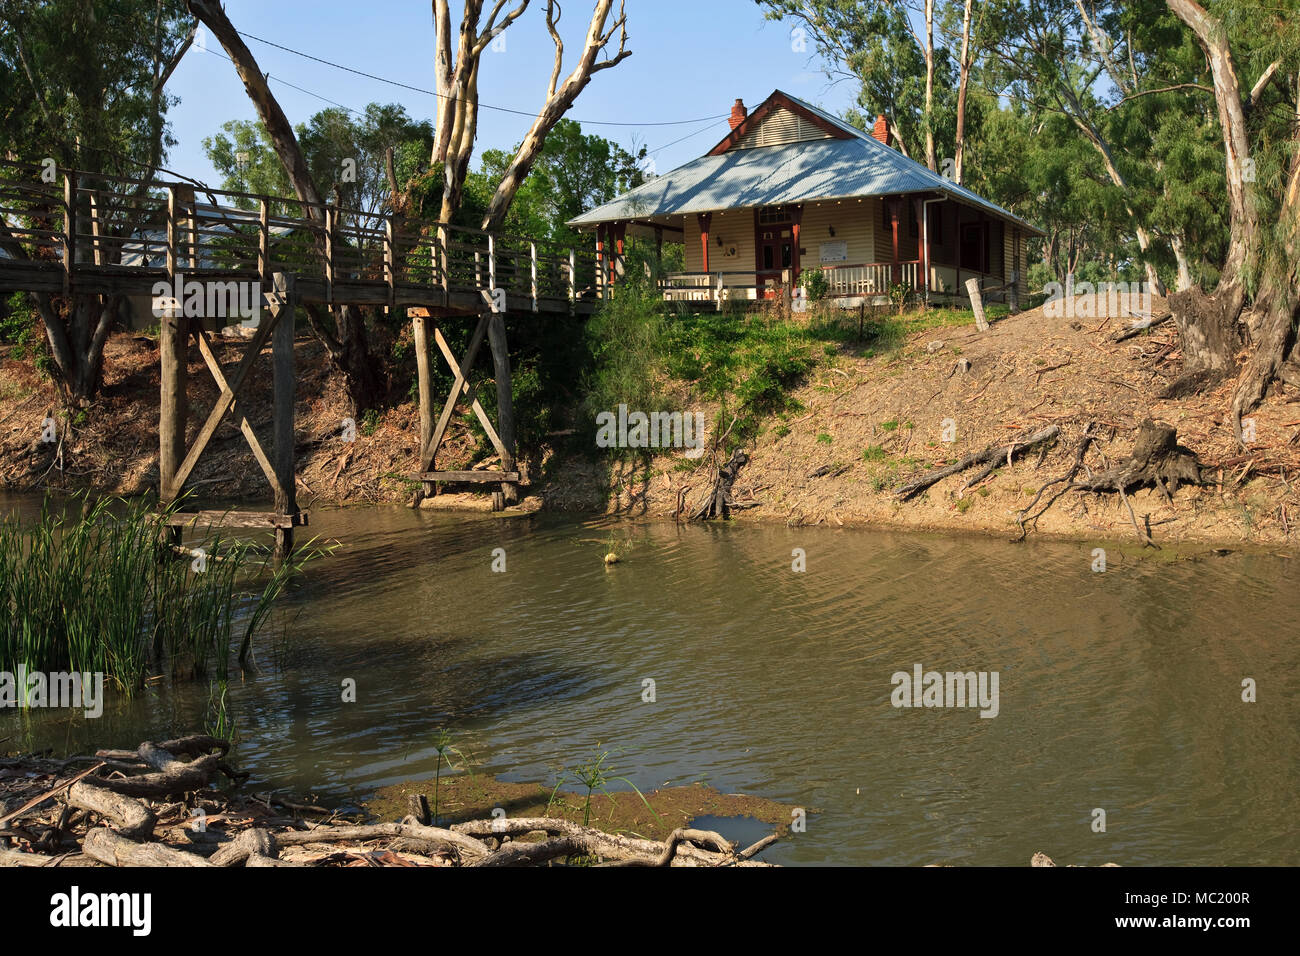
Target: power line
703	129
291	86
486	106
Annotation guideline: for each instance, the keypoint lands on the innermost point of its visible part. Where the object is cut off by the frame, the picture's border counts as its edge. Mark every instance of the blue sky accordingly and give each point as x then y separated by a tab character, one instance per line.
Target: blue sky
691	59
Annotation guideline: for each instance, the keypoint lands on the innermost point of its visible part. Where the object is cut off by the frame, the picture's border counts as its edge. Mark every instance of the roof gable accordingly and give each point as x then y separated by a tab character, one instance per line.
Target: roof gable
779	121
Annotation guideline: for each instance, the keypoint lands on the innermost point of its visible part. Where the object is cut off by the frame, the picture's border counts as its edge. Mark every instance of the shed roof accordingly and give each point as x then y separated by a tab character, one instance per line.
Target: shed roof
732	177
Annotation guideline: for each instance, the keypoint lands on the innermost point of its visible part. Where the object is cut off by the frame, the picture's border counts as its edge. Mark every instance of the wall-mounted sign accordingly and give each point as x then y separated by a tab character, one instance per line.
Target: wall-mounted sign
835	251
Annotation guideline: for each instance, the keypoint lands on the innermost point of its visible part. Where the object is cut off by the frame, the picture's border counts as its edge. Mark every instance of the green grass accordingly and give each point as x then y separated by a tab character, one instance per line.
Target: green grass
874	453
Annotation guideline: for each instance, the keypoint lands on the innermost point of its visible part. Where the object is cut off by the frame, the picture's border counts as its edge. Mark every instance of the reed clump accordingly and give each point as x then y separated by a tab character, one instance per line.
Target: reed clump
93	589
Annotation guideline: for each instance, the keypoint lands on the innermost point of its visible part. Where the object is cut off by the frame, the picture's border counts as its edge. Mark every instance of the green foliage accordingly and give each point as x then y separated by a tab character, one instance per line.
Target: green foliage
79	81
345	155
629	346
816	284
874	453
443	748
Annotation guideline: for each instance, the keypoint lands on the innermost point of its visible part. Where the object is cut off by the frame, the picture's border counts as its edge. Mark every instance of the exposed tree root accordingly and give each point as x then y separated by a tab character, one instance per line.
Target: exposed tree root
717	501
993	456
1156	460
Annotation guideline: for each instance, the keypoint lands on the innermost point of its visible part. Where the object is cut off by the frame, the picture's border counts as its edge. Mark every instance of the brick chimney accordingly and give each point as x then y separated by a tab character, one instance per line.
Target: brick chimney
881	130
738	113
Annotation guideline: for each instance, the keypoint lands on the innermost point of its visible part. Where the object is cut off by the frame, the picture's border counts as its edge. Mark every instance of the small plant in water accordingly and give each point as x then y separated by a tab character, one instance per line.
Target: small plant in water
596	776
442	746
219	722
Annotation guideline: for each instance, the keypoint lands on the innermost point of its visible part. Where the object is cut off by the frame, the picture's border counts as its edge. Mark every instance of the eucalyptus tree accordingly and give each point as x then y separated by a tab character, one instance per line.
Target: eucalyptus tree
1252	65
84	84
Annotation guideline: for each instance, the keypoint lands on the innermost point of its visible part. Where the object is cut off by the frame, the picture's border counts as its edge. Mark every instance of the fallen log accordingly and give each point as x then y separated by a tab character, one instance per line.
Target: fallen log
992	456
251	843
173	775
609	846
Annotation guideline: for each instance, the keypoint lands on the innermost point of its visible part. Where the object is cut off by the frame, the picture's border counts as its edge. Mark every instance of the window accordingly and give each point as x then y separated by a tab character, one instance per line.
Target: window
774	214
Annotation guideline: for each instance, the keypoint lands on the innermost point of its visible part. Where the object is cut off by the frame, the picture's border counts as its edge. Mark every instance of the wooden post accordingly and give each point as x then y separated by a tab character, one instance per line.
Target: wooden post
620	234
444	264
977	304
894	206
96	237
390	261
505	401
424	371
1013	296
173	342
492	264
286	498
173	232
659	252
187	226
329	254
573	277
922	247
532	253
600	261
796	265
69	229
264	244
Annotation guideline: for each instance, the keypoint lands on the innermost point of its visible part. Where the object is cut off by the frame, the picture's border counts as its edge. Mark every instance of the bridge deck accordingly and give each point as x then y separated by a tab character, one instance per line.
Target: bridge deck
63	231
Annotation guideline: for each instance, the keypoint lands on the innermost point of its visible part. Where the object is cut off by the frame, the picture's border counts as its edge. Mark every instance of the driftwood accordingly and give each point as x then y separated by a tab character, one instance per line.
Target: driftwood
111	849
717	501
1137	328
173	775
992	457
129	816
124	812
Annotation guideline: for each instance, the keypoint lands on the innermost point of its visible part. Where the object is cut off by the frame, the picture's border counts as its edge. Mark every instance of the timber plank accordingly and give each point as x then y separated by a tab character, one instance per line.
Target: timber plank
476	477
235	519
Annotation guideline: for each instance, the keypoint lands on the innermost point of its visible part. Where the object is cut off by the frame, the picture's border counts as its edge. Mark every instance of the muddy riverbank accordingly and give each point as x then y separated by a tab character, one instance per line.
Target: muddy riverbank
864	421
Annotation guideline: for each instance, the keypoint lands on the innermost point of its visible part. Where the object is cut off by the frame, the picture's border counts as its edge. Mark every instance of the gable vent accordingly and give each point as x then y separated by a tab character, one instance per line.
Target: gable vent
779	128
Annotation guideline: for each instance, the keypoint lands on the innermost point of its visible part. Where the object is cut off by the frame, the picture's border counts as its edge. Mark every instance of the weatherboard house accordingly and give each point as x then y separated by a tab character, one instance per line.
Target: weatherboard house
792	189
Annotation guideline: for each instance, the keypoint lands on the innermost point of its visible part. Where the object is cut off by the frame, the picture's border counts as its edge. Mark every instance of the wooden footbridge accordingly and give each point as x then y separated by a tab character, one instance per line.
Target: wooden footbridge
68	234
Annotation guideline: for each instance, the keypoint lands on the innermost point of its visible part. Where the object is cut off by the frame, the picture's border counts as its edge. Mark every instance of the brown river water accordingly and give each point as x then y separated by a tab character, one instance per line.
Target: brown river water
1119	691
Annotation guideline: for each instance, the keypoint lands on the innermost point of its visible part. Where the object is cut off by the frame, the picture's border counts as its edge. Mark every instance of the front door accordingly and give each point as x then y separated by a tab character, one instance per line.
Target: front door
775	244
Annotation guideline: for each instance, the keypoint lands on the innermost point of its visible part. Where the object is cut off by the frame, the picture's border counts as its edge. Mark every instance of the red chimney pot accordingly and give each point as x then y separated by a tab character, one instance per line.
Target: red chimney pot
881	130
738	113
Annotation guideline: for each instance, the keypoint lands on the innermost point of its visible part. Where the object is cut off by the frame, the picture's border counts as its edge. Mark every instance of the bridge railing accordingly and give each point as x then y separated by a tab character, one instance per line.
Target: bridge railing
92	221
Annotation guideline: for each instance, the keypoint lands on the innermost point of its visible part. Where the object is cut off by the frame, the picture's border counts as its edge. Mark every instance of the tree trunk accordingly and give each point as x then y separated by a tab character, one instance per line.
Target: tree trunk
348	346
962	84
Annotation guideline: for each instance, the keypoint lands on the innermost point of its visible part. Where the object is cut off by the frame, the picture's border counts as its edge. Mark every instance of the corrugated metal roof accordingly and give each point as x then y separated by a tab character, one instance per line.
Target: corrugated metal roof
779	175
